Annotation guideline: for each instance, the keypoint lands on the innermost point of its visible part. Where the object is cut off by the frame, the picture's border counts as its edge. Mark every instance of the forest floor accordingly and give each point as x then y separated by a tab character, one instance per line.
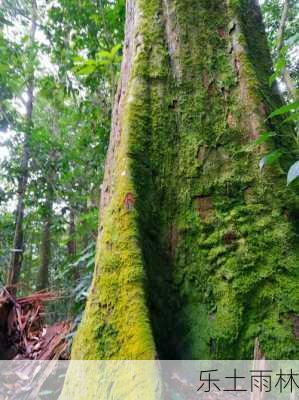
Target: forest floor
24	335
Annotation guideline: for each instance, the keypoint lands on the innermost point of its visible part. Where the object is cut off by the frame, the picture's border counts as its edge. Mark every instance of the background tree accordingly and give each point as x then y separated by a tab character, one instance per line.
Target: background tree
18	243
68	139
281	19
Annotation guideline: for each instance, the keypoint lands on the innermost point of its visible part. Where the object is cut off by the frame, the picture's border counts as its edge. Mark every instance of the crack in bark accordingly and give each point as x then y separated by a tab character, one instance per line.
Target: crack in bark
172	38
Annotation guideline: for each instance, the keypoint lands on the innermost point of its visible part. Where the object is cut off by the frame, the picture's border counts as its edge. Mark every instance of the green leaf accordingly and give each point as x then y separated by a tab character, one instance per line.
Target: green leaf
79	58
86	69
103	54
264	137
292	118
115	50
293	172
281	63
279	66
270	158
285	109
118	59
103	62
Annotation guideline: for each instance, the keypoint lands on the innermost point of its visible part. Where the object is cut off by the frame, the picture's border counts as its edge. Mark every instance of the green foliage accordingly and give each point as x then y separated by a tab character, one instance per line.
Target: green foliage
287	56
284	52
285	109
6	233
279	66
103	61
270	158
68	137
264	137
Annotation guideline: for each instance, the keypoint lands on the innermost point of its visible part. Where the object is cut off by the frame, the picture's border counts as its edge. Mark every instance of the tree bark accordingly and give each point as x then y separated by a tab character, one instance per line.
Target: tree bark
196	255
18	243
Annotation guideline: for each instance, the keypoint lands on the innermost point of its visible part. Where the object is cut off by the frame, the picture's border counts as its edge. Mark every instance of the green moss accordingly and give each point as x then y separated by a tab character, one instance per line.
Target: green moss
116	323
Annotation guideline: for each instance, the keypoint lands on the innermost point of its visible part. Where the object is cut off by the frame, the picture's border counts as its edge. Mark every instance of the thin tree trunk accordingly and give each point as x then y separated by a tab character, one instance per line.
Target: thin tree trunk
18	243
43	274
71	245
282	25
288	81
196	256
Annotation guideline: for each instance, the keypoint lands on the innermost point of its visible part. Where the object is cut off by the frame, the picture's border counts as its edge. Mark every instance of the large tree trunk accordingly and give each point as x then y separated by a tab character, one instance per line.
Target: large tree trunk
196	256
18	243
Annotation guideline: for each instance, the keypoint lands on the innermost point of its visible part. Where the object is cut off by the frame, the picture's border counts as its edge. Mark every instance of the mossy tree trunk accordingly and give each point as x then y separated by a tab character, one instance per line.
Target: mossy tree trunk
196	256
